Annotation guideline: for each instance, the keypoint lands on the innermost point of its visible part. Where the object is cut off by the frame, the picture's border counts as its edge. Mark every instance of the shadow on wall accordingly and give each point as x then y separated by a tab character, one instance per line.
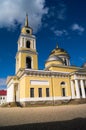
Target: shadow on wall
75	124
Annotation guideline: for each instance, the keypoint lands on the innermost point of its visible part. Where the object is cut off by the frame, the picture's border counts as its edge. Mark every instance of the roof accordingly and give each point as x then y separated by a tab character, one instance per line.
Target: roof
54	58
3	92
59	51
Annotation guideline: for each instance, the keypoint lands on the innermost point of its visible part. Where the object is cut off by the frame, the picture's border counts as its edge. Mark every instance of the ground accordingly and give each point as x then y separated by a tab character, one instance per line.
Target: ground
67	117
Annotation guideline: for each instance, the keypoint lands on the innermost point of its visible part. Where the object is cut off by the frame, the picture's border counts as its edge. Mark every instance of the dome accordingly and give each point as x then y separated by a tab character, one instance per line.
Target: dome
59	51
53	61
58	56
54	58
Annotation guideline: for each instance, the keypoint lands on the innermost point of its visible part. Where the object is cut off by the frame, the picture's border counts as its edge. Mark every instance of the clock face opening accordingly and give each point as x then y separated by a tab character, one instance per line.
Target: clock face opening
28	31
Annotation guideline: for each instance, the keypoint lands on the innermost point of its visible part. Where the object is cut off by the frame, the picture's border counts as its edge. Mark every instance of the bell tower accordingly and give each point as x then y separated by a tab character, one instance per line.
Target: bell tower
26	57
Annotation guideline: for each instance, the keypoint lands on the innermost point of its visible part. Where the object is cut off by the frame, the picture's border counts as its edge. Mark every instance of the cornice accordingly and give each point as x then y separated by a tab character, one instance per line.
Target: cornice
27	51
43	73
63	66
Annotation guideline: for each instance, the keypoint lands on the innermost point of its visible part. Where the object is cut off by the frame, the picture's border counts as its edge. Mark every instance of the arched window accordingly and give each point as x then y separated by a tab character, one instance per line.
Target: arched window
28	62
28	44
65	62
63	88
62	83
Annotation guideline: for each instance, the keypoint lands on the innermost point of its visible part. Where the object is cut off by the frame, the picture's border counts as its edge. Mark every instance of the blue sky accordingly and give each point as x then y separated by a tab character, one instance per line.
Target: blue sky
53	21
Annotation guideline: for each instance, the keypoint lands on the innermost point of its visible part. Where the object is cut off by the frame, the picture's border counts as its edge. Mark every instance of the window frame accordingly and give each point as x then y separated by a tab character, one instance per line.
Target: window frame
32	92
39	92
47	92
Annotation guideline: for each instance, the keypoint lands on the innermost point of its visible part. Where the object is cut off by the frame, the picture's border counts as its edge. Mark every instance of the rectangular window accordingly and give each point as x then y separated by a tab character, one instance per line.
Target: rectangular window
31	92
63	92
47	92
40	92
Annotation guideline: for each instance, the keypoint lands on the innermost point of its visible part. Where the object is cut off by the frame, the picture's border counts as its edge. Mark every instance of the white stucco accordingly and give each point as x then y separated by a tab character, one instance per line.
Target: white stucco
10	93
39	82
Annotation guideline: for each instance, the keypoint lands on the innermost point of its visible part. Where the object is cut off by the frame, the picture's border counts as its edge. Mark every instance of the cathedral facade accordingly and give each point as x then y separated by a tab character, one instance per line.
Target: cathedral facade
59	81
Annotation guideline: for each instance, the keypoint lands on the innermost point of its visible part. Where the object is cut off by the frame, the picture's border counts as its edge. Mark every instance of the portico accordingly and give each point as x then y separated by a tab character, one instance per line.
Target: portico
78	86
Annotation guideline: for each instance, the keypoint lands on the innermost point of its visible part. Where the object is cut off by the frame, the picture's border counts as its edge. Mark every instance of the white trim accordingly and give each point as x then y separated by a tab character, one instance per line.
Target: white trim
62	98
60	72
45	99
36	99
39	82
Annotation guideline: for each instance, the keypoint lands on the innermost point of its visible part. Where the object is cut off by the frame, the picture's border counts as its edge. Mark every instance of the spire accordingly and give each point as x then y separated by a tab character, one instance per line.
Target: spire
26	21
57	45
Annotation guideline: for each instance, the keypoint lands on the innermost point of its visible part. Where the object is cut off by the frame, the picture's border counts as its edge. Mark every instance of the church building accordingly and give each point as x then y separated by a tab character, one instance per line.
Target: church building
59	81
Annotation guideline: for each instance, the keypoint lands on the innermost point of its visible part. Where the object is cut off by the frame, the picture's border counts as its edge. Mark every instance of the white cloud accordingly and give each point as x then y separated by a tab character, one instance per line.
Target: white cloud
61	32
13	11
78	28
2	83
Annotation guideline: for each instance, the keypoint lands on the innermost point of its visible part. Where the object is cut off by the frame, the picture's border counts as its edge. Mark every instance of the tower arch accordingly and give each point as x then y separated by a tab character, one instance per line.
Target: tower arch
28	62
27	44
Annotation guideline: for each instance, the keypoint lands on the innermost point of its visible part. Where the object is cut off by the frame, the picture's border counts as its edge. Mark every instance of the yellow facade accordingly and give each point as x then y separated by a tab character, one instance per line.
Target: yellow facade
22	63
55	87
63	69
59	81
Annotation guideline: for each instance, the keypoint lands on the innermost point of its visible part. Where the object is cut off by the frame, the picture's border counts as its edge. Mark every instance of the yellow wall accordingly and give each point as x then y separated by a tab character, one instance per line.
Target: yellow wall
57	87
22	88
22	61
63	69
52	62
26	81
54	86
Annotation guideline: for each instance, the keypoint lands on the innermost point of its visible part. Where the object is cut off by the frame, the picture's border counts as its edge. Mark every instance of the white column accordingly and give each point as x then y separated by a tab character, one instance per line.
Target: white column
34	44
21	42
77	89
72	89
24	42
82	88
67	61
